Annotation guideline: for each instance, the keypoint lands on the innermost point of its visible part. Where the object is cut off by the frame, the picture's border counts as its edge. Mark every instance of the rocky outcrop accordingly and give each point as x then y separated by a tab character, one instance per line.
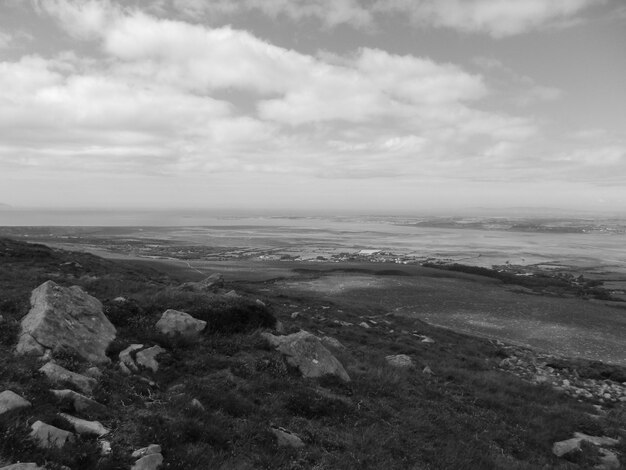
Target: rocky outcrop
49	436
61	376
608	459
306	352
173	322
10	401
400	361
65	318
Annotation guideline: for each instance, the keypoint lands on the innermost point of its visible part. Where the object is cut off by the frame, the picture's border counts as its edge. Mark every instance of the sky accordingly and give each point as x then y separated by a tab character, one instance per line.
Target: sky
370	106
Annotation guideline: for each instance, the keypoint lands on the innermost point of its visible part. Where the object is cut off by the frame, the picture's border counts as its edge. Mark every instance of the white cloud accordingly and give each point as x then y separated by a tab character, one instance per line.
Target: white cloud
330	13
171	97
497	18
5	40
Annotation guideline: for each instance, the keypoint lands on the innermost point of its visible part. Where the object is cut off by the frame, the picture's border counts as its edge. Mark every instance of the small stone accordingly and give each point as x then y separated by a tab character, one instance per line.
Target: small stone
59	375
105	448
295	314
82	426
332	342
149	462
23	466
149	450
608	460
94	373
196	404
427	370
50	436
259	302
10	401
279	327
286	438
400	361
80	403
147	358
364	325
126	357
173	322
427	339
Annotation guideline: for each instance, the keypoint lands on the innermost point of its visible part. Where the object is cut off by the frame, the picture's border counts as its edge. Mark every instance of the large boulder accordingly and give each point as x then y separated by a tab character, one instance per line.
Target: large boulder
65	318
173	322
306	352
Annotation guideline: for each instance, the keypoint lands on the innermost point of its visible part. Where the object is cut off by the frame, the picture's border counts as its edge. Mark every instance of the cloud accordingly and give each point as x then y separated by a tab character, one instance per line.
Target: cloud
330	13
168	97
498	18
5	40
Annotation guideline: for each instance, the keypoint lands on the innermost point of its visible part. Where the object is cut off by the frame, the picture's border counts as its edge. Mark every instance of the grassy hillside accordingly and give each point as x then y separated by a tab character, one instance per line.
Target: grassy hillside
467	414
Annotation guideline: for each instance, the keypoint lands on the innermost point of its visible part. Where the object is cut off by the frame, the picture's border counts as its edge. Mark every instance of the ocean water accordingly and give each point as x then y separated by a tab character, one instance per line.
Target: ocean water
601	247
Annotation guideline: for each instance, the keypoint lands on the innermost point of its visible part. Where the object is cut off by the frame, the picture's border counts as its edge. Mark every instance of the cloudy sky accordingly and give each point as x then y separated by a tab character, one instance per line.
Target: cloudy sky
329	105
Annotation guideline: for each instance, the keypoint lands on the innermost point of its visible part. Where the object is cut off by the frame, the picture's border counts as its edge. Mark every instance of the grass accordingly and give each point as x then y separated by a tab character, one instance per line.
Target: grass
467	415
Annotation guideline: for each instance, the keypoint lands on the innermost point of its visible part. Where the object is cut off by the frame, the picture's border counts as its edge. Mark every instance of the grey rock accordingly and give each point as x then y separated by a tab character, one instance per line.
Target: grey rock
10	401
364	325
147	357
149	450
173	322
608	460
427	370
105	447
60	376
285	438
65	318
305	351
49	436
80	403
195	403
562	448
127	359
213	282
400	361
149	462
94	373
331	342
23	466
82	426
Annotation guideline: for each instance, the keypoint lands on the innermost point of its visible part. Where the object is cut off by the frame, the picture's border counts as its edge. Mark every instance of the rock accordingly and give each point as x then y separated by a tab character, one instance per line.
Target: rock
279	327
329	341
285	438
232	294
364	325
147	357
94	373
149	450
120	299
82	426
295	315
10	401
79	403
23	466
127	359
65	318
60	376
305	351
426	339
105	447
149	462
427	370
259	302
49	436
562	448
173	322
608	460
195	403
214	281
400	361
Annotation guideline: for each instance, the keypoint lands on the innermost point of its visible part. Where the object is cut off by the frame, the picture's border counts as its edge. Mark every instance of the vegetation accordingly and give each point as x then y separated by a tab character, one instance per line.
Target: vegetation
467	414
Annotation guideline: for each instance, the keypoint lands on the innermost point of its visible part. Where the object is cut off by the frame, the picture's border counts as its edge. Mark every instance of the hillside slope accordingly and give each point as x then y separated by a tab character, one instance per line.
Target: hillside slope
456	408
